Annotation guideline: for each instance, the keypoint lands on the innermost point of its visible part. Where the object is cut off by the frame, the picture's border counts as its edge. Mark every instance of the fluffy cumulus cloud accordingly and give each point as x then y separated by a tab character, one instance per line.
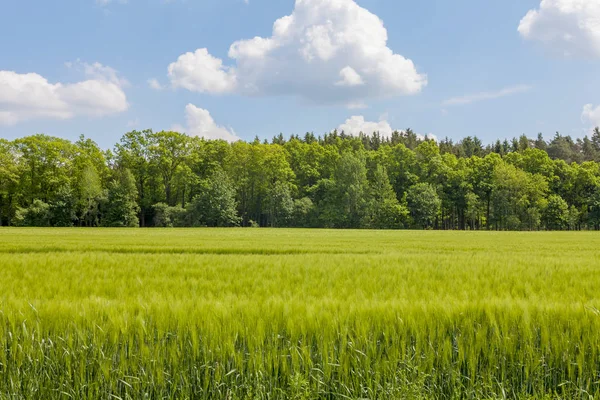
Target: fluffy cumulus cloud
201	72
329	51
200	123
350	77
591	115
357	124
31	96
569	26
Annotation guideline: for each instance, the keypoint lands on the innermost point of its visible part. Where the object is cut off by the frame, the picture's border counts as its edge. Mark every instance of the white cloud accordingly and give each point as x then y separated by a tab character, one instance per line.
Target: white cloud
473	98
30	96
200	123
327	51
357	124
349	77
99	72
155	84
201	72
591	115
429	136
569	26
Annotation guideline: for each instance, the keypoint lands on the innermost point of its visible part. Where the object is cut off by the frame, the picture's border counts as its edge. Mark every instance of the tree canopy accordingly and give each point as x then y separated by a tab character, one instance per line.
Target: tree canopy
336	180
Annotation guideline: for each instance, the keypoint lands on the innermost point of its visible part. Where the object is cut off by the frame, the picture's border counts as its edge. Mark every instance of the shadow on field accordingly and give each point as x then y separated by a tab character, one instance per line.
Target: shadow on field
149	250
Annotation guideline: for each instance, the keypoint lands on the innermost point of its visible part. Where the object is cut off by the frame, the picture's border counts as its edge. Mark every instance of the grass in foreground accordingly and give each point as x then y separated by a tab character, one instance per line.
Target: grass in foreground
300	314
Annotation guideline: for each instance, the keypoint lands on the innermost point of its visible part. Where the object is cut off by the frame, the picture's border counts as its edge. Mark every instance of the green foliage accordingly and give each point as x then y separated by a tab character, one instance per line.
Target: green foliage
424	205
564	148
46	164
215	206
120	209
90	195
333	181
556	213
133	153
166	152
594	210
62	208
473	210
303	213
37	214
9	180
280	204
517	198
168	217
386	211
348	201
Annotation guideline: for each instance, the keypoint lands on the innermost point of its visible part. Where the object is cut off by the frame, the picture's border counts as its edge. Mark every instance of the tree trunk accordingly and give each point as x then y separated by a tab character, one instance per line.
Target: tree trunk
487	221
168	193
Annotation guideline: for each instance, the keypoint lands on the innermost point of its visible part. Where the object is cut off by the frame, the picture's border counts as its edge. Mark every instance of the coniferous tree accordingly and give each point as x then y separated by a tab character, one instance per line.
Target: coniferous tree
120	208
386	212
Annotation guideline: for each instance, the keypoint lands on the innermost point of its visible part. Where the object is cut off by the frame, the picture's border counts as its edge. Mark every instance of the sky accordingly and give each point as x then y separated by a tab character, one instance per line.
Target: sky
236	69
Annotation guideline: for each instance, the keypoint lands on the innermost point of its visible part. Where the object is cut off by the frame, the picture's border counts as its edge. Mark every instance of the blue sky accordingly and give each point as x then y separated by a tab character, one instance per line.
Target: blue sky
494	69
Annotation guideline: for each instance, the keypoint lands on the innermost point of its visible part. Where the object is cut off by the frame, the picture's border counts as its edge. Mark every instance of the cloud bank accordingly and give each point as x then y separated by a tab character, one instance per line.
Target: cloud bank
357	124
571	27
325	51
30	96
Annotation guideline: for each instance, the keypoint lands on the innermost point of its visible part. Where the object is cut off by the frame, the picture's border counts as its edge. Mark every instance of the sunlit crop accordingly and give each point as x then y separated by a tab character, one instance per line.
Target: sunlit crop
301	314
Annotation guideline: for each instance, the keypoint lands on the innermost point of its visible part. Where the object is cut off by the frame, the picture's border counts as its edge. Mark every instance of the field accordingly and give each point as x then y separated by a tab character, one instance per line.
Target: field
298	314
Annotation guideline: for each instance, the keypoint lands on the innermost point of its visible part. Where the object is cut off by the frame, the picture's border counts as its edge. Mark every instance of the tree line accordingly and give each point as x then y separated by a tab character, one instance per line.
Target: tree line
169	179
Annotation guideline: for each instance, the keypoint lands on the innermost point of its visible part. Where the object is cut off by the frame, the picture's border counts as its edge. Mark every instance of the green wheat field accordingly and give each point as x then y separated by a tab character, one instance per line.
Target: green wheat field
298	314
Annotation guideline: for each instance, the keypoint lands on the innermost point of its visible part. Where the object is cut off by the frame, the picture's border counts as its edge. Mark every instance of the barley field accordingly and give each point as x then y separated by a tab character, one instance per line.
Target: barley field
298	314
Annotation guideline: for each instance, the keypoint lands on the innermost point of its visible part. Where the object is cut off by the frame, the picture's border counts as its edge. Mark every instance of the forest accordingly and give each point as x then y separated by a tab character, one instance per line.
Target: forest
169	179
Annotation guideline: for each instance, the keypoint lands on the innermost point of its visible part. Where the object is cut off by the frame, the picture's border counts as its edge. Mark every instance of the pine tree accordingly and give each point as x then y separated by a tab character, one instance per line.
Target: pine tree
121	209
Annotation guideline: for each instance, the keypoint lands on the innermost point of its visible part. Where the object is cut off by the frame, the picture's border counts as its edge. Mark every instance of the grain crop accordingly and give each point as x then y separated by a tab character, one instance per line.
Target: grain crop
298	314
